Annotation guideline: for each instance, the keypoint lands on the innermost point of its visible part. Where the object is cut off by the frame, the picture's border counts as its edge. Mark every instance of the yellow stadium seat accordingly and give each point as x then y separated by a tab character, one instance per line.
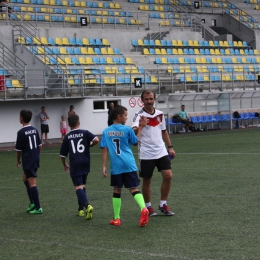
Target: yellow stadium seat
61	61
204	69
206	78
104	51
134	70
65	3
146	51
109	60
91	50
175	51
46	60
141	7
140	42
163	52
240	44
195	43
40	50
164	61
203	60
105	42
129	61
58	41
221	43
84	50
179	42
169	70
117	6
157	51
157	43
235	43
196	52
21	40
220	68
85	41
89	60
110	51
52	2
190	42
198	60
174	43
37	41
180	52
82	60
181	60
24	8
154	79
256	52
83	4
77	3
219	60
212	51
63	51
241	51
68	61
187	69
258	59
27	17
16	83
44	41
100	5
162	15
234	60
227	52
217	52
226	44
65	41
211	44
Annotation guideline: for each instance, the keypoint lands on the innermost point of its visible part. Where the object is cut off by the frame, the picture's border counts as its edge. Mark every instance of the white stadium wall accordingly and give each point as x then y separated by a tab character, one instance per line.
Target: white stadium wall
93	120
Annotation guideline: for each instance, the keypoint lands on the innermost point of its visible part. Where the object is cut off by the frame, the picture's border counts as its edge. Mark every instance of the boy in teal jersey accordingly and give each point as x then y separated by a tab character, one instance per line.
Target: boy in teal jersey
116	140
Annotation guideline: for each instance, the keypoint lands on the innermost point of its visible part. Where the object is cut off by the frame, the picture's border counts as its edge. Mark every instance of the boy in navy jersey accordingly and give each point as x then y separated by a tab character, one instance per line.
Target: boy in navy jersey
76	143
28	144
116	140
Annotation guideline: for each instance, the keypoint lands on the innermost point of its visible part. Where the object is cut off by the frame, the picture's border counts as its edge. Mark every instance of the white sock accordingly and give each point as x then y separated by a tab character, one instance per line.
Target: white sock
148	204
162	202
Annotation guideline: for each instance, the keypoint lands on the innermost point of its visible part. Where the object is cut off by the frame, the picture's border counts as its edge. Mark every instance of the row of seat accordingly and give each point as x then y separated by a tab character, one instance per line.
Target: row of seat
226	78
239	17
106	70
14	83
73	19
214	4
188	43
3	72
158	2
64	41
177	23
75	51
69	3
199	60
186	51
220	68
164	15
87	61
252	1
154	8
200	119
112	80
70	11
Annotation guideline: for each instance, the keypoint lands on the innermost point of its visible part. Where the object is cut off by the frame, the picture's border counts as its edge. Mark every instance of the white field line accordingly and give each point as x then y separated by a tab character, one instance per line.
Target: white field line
100	249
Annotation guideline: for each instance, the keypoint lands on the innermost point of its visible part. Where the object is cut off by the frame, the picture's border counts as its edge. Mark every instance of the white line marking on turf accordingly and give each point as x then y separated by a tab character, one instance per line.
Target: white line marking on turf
102	249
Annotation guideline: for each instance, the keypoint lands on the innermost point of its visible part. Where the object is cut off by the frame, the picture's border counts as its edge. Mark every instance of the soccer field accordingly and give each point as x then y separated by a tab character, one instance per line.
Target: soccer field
215	196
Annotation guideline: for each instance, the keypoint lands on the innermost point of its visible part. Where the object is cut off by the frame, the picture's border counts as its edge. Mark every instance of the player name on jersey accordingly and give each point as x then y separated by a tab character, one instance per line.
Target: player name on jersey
75	135
29	132
115	133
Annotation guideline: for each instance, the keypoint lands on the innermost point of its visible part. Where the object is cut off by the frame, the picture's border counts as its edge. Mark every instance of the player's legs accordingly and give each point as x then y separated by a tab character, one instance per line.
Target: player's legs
31	175
26	183
164	166
146	172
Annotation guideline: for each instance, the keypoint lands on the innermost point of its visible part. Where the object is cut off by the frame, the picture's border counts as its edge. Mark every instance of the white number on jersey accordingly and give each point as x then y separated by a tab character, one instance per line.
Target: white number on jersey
80	147
30	141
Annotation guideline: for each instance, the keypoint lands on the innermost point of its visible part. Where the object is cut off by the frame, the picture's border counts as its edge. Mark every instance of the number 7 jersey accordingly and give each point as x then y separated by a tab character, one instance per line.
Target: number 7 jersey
27	142
76	143
117	139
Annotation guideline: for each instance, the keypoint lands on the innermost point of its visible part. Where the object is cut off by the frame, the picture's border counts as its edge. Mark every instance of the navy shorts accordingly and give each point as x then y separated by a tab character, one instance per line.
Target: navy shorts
147	166
30	173
79	180
128	179
44	129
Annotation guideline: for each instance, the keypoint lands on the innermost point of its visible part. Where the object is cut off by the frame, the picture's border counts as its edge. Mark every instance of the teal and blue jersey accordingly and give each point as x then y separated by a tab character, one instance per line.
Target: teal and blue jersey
117	138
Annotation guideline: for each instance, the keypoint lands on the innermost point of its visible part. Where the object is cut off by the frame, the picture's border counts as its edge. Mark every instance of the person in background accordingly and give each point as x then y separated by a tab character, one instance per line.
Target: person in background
110	118
44	124
71	111
185	119
63	127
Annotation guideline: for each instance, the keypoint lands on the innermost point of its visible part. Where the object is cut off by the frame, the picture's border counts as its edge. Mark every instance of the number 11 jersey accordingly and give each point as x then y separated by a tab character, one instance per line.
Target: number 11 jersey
76	143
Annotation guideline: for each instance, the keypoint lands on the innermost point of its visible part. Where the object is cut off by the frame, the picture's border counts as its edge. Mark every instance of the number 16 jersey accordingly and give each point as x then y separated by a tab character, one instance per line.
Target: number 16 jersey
76	143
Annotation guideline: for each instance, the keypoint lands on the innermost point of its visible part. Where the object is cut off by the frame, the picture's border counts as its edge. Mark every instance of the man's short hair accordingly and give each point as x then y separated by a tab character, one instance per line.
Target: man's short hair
73	120
26	115
147	91
118	110
42	107
71	106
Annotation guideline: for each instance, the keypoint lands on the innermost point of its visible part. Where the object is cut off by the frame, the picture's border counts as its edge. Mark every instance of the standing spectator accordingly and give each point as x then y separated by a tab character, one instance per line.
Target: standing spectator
29	146
71	111
63	128
152	152
4	5
110	118
44	124
76	143
116	141
185	119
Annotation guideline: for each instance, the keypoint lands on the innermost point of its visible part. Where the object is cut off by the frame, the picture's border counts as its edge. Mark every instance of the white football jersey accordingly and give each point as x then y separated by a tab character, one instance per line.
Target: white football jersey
151	144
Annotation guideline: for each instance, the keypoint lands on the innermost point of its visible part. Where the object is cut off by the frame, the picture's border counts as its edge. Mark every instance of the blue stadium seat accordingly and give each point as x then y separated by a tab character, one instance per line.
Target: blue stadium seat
79	42
51	41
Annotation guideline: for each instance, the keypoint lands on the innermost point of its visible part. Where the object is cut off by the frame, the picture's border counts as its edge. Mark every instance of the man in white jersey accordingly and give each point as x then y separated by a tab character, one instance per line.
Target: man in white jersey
153	153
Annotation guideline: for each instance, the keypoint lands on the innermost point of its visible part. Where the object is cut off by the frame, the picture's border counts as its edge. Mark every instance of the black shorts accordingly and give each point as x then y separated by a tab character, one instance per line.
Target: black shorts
30	173
44	129
147	166
79	180
128	179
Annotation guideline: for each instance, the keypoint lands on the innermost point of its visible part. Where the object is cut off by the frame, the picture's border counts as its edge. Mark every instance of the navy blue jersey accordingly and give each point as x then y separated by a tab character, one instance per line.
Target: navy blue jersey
76	144
27	142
